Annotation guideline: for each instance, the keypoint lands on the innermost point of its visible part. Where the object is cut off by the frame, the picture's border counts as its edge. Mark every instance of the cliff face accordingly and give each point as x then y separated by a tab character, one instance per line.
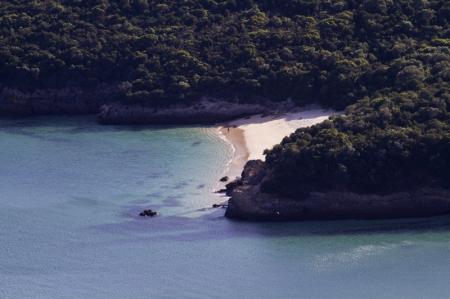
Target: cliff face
248	202
74	101
201	112
14	102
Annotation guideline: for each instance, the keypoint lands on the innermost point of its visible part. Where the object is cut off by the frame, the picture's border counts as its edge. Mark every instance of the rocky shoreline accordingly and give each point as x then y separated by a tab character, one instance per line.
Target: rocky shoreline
249	203
102	101
199	113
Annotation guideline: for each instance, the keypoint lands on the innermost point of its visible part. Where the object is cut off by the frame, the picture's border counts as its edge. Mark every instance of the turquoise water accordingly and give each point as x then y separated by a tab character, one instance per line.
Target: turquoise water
70	191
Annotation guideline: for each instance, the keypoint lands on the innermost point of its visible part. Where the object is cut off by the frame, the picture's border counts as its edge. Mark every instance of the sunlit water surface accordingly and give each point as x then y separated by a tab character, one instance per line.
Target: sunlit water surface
70	192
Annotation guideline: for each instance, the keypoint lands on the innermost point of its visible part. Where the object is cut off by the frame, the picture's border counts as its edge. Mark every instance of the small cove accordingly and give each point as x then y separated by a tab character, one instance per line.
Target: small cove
71	191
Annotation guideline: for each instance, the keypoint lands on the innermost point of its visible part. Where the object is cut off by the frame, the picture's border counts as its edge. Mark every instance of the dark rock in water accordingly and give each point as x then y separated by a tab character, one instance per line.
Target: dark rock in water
219	205
148	213
221	191
224	179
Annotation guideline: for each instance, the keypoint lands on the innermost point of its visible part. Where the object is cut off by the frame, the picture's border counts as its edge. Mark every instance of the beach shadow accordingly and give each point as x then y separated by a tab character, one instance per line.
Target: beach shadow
308	115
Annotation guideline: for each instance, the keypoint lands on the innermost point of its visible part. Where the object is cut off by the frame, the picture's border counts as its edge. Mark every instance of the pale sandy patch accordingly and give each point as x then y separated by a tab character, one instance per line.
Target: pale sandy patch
250	136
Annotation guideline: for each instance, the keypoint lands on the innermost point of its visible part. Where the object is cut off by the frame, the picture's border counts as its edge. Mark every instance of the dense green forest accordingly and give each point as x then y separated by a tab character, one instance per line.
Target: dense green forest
393	141
332	52
387	61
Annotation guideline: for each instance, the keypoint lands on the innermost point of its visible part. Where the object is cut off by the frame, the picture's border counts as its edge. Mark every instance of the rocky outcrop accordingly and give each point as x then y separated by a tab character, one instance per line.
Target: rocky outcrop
71	100
248	202
252	174
148	213
202	112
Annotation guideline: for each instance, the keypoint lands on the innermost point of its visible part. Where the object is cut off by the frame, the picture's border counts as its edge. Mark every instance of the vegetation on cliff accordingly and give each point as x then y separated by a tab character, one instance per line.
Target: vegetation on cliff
387	61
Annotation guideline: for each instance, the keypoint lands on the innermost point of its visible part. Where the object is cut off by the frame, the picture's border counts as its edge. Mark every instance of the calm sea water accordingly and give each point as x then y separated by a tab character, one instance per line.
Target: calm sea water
70	191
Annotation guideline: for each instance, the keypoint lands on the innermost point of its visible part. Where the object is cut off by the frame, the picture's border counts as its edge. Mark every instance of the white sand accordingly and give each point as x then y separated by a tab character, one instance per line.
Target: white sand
252	135
262	133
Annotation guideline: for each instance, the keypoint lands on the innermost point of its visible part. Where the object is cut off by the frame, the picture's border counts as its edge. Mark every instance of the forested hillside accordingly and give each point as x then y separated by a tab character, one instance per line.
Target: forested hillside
332	52
390	57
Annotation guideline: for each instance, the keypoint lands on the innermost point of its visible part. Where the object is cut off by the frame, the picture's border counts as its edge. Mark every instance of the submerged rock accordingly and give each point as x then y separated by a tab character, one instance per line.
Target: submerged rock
224	179
148	213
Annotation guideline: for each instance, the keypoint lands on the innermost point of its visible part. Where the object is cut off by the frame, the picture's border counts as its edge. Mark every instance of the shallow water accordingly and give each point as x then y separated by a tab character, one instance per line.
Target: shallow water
71	190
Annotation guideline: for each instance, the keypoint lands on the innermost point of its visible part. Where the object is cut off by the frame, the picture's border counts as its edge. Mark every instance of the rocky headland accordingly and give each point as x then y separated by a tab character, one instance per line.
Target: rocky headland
249	203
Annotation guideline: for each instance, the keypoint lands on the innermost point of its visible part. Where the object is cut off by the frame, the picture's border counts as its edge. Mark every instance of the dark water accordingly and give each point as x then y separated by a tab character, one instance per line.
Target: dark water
70	191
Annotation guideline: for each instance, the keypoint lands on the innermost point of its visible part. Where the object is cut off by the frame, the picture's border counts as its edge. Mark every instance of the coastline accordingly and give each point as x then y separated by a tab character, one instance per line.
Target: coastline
236	138
248	202
250	136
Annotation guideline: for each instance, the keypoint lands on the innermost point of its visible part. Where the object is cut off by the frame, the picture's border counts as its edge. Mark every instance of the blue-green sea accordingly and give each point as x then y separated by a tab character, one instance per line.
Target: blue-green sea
71	192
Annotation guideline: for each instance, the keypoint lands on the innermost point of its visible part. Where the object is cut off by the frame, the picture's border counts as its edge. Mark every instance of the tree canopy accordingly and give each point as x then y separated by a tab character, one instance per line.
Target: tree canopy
331	52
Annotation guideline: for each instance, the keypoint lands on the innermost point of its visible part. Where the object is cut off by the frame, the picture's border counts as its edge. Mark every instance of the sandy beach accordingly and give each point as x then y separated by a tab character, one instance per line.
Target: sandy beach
250	136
